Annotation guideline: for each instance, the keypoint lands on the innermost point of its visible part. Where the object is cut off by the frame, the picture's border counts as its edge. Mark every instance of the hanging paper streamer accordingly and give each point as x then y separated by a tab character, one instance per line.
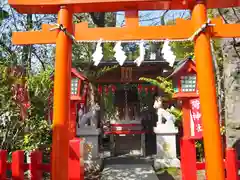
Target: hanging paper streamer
98	54
140	59
168	54
119	53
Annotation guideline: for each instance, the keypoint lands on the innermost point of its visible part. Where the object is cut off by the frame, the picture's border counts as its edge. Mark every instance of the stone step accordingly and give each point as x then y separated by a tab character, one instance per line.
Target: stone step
125	169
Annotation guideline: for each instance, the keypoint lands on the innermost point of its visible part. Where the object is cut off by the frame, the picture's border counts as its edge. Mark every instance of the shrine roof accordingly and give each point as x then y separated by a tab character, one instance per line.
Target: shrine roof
128	63
52	6
181	66
74	71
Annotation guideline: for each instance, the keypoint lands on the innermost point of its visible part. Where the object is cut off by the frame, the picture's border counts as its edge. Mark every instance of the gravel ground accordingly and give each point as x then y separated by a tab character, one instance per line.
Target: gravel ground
175	174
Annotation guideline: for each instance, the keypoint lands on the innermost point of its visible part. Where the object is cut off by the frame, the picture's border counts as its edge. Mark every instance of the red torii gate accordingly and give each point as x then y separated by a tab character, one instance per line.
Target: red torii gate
182	30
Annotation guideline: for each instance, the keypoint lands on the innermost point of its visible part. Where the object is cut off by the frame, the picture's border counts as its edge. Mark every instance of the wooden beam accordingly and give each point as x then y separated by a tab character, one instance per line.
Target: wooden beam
132	19
182	30
107	33
51	7
36	37
221	30
134	32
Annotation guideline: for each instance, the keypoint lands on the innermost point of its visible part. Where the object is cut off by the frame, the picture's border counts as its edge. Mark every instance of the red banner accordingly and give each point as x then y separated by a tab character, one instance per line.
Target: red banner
196	123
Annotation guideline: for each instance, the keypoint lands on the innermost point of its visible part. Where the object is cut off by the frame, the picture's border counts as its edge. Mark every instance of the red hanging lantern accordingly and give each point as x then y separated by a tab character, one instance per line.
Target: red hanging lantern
106	90
139	88
153	88
113	88
146	90
99	89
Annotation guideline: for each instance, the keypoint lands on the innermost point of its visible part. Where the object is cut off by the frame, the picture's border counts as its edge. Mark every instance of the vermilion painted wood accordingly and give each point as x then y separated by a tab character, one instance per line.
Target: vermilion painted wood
3	164
130	32
72	120
45	167
36	160
18	165
208	99
75	166
52	7
188	159
186	118
231	164
61	110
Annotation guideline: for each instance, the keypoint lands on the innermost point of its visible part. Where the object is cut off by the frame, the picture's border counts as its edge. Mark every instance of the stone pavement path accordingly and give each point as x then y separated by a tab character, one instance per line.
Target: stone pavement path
128	169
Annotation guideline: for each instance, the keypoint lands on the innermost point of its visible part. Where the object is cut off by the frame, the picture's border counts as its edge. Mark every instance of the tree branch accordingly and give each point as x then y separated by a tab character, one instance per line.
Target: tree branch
98	19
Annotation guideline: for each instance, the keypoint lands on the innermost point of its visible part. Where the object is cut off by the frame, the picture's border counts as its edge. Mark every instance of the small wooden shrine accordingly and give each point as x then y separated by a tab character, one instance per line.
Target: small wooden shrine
126	103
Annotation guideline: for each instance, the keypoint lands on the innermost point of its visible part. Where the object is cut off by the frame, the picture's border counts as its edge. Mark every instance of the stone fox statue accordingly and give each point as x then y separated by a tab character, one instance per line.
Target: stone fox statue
90	117
164	117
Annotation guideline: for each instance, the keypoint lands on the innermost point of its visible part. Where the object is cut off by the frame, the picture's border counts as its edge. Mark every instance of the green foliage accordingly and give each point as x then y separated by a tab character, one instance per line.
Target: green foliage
199	149
39	87
166	86
34	132
3	15
183	49
38	133
108	52
162	83
10	124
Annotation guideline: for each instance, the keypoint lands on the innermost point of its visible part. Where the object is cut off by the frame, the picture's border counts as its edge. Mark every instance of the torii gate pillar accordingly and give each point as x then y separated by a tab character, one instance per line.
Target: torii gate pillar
208	98
61	111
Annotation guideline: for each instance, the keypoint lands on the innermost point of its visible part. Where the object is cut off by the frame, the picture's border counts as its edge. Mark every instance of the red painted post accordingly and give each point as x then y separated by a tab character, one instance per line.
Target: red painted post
3	164
188	159
36	161
75	161
18	165
72	120
231	164
61	110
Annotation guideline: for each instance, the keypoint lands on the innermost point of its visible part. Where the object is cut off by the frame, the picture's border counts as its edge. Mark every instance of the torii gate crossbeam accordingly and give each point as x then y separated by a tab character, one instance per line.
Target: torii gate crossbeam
182	30
78	6
128	33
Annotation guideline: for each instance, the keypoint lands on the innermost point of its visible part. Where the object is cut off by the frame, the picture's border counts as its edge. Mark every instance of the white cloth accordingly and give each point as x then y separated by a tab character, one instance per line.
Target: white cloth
119	53
98	54
140	59
168	54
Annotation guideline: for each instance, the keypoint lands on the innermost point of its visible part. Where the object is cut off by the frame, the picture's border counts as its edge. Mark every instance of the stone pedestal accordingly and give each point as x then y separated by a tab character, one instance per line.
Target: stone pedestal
90	136
166	146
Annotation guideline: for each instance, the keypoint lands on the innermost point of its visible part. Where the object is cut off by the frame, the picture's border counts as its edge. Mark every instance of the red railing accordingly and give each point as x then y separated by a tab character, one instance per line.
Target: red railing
189	172
37	167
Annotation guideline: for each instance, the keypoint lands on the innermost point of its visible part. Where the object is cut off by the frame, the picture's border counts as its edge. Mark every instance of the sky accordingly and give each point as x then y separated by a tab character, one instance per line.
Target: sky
148	18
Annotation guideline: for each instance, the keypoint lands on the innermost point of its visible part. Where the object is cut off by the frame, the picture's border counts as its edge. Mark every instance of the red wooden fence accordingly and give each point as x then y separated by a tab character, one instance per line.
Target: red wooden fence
189	172
37	167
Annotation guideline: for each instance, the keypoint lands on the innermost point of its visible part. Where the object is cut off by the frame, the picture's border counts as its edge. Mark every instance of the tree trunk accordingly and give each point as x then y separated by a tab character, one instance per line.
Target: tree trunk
27	49
231	55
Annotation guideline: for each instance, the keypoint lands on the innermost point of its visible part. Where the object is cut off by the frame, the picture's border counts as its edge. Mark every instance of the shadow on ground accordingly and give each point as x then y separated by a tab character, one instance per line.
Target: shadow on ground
166	176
